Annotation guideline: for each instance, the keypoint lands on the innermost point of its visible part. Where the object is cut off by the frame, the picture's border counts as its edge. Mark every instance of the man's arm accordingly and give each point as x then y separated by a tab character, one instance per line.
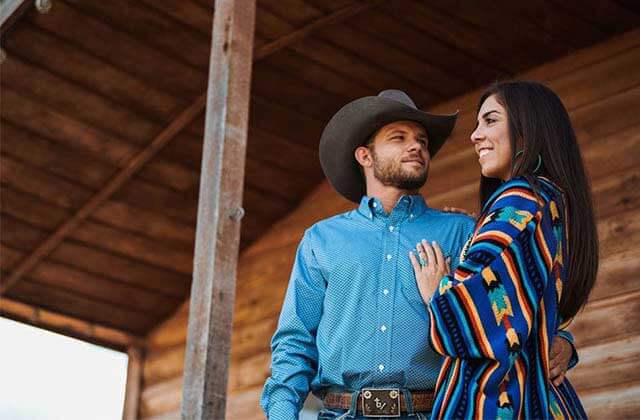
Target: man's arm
294	353
563	356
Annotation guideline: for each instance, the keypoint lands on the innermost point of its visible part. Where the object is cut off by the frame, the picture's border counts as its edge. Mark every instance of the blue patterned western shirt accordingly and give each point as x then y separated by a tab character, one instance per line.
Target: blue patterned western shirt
353	316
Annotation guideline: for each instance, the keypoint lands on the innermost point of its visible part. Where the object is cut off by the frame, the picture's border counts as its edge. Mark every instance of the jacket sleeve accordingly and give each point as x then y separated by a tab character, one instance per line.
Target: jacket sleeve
487	307
293	347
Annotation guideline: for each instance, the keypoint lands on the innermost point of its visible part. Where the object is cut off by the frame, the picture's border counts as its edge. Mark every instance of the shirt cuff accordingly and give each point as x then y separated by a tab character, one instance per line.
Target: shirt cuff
283	410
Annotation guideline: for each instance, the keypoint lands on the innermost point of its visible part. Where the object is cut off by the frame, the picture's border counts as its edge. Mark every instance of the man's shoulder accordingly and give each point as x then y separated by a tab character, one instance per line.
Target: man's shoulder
455	220
336	221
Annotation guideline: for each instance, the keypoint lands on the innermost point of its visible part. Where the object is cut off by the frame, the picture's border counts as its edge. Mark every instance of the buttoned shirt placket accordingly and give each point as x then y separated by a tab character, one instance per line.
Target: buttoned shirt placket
388	284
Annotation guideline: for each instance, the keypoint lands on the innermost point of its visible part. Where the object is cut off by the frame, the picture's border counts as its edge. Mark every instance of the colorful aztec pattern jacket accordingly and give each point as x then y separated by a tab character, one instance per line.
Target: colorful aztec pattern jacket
495	317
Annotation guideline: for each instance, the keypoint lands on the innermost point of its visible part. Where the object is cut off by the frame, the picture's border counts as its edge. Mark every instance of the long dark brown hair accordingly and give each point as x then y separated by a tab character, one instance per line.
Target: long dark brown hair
539	125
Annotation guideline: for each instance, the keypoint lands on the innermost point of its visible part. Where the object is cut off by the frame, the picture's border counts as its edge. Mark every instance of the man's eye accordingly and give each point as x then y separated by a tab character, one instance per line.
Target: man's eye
490	120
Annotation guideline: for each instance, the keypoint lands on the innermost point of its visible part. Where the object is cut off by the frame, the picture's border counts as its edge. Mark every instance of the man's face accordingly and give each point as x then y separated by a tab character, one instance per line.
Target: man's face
400	155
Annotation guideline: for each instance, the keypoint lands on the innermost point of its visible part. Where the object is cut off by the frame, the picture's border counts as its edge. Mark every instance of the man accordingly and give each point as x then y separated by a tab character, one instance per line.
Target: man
353	327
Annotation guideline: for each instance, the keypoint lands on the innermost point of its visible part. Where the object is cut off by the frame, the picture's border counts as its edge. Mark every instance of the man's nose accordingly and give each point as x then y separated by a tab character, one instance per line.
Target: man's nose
415	144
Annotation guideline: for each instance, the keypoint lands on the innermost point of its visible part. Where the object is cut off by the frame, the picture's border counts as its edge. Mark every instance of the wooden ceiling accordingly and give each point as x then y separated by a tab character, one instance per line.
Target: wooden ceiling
99	194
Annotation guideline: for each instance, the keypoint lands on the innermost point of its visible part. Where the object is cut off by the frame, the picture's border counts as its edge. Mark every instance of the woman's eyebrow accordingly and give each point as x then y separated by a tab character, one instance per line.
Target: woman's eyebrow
486	114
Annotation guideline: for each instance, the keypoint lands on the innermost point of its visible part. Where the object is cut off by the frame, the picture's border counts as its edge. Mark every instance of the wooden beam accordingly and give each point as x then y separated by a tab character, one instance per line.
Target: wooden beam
321	23
67	325
219	211
134	383
185	118
113	185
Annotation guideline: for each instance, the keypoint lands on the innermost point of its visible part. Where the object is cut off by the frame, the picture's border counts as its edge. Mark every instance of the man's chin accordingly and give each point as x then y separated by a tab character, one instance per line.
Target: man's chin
411	184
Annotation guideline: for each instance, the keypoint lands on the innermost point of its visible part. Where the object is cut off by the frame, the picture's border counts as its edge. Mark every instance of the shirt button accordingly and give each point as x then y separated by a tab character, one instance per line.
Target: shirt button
380	368
411	216
375	204
385	291
383	328
391	228
389	256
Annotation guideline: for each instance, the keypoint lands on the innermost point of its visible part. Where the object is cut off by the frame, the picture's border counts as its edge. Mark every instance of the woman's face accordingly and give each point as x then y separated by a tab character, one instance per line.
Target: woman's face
491	140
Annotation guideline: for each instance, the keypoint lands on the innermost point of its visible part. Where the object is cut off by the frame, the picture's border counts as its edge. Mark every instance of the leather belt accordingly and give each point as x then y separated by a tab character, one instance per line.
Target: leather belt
381	402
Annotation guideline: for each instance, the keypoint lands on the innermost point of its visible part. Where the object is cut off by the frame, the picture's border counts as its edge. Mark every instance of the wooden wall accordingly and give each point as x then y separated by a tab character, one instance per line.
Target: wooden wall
601	88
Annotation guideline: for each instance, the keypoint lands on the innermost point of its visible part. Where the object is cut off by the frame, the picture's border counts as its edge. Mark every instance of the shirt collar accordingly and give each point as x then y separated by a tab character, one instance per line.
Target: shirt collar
411	206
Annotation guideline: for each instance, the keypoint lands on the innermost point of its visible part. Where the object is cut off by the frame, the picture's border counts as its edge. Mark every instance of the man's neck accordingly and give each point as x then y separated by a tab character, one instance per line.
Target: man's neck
389	196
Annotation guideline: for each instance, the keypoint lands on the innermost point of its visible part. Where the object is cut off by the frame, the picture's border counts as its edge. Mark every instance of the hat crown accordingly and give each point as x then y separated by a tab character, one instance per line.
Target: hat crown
398	96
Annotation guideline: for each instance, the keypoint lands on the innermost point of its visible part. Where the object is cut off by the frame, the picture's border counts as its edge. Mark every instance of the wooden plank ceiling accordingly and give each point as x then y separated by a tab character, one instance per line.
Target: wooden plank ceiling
99	192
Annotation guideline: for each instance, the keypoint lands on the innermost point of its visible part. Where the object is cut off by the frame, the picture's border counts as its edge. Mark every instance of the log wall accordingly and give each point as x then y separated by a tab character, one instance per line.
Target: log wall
600	86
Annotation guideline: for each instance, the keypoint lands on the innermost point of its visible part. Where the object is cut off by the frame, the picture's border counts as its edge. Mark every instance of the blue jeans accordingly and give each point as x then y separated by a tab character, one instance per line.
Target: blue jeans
338	414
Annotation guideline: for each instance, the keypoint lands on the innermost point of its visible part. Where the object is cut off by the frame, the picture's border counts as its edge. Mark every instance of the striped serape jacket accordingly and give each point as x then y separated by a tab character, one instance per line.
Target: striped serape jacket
495	317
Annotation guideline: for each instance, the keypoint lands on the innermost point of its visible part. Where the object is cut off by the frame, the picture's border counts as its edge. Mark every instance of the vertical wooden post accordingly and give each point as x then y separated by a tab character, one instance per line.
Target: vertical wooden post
134	383
219	211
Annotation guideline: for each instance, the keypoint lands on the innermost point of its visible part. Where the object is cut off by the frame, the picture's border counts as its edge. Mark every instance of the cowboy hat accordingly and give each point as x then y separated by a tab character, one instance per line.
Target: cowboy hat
357	121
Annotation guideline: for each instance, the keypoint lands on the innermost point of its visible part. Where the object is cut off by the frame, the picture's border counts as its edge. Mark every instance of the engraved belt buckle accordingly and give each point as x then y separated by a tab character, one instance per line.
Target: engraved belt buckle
381	402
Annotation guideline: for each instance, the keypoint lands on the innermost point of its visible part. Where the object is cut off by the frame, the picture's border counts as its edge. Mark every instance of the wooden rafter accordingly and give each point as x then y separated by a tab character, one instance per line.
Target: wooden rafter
113	185
137	162
68	325
315	26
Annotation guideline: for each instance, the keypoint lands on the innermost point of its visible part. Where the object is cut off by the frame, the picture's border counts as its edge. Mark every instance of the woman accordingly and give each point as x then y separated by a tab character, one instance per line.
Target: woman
531	263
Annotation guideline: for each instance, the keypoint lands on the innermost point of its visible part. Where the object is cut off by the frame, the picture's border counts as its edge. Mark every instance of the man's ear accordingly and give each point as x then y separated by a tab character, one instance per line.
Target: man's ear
363	156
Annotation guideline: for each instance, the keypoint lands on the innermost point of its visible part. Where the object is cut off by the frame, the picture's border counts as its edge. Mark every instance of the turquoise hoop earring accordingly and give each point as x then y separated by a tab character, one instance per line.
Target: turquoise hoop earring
538	166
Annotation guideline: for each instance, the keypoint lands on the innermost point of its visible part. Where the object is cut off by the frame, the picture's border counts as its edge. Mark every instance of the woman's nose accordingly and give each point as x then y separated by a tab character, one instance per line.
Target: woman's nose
476	136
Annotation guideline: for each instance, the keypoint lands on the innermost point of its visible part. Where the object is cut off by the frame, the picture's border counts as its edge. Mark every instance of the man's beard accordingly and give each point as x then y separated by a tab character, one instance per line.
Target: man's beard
391	174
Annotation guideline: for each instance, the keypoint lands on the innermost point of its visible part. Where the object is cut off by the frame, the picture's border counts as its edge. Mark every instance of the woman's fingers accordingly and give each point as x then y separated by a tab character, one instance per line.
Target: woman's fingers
439	256
414	262
421	279
559	379
555	372
422	255
431	258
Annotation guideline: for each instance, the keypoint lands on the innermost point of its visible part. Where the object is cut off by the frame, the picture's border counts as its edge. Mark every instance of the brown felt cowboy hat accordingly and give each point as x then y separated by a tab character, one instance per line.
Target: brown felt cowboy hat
357	121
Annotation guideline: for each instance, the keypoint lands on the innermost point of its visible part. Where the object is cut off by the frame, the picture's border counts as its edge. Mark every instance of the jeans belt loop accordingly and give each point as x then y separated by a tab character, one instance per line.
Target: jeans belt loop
353	410
408	400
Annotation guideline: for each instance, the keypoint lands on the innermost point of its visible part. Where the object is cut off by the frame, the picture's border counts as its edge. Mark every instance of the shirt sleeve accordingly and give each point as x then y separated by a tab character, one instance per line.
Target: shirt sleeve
487	307
293	347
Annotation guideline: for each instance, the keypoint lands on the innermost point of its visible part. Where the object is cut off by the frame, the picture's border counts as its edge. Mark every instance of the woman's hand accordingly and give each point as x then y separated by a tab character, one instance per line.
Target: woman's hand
429	267
461	211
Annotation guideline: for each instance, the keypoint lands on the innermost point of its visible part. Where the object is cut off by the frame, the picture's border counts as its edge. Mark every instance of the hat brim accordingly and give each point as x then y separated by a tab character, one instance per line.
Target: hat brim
352	126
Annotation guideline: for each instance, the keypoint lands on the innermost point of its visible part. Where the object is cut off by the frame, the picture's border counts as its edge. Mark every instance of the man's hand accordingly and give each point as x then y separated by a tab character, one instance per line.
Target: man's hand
459	210
561	351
